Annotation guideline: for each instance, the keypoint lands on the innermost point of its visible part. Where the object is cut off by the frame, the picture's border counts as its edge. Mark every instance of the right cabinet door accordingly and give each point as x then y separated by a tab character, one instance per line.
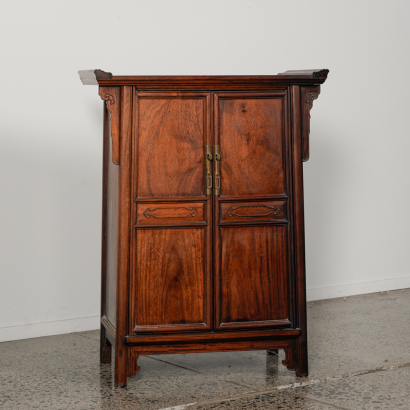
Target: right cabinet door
252	211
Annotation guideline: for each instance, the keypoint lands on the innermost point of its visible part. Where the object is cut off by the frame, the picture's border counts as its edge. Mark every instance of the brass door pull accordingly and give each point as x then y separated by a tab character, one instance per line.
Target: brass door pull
217	156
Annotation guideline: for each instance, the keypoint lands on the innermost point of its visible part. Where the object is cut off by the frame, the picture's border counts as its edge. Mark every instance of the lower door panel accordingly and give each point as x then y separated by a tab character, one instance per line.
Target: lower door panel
253	277
170	281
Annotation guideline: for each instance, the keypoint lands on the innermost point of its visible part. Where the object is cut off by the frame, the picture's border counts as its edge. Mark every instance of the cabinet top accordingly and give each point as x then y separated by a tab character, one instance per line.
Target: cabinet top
295	77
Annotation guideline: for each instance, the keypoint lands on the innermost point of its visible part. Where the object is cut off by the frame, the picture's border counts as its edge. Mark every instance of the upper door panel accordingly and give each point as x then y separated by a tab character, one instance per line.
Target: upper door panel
249	127
172	133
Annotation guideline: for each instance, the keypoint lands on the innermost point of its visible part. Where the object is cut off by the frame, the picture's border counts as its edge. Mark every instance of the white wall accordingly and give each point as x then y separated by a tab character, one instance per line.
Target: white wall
356	182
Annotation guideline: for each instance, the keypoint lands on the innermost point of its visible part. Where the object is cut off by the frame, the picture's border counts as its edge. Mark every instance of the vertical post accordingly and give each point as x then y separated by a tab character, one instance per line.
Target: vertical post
124	214
299	233
105	345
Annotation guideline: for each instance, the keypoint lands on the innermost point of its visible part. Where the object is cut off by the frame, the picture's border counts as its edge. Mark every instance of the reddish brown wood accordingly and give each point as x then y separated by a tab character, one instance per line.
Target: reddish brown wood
215	347
250	129
105	345
124	228
196	269
170	138
253	278
216	82
132	365
112	188
172	130
307	96
257	211
210	337
111	95
162	213
300	347
173	261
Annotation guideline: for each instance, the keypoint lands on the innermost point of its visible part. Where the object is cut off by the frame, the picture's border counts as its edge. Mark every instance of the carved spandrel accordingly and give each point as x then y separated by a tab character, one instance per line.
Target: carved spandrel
132	367
291	356
111	96
308	95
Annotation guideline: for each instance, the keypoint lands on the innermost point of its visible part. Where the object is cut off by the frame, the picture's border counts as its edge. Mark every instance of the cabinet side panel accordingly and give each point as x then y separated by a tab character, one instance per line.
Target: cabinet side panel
112	235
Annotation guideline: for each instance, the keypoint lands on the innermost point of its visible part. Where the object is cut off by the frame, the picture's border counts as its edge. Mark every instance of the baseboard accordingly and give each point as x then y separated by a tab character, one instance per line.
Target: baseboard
49	328
362	288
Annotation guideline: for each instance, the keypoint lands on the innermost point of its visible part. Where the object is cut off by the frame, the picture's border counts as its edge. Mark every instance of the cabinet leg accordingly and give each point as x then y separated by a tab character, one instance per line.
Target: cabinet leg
121	366
105	347
296	357
303	369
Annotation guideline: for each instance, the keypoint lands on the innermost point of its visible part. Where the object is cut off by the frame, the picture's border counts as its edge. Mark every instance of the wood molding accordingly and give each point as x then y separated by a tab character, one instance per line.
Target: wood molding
111	96
211	338
109	328
318	73
91	77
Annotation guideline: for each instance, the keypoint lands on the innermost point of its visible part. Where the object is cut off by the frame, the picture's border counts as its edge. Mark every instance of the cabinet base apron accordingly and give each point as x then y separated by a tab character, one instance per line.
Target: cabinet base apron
134	347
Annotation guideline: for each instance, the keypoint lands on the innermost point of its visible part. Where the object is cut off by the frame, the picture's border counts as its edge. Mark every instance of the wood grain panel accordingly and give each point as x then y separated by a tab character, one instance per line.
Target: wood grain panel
170	280
254	274
172	134
157	213
250	129
252	211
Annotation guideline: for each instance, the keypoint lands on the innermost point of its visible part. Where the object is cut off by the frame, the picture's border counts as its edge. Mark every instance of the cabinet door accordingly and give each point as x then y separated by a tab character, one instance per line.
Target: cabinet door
170	283
252	247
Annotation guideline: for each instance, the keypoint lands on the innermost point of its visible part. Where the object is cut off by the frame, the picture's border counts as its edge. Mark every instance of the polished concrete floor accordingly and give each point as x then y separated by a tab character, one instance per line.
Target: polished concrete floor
359	359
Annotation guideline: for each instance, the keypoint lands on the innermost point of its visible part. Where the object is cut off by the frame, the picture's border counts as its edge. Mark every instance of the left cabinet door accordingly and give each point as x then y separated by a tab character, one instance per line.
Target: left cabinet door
171	261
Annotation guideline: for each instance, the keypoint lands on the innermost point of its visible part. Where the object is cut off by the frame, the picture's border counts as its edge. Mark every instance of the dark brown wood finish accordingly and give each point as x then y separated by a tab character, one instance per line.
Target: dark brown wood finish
124	228
253	277
112	233
172	248
172	130
307	96
257	211
105	345
196	269
173	261
250	131
251	262
161	213
300	347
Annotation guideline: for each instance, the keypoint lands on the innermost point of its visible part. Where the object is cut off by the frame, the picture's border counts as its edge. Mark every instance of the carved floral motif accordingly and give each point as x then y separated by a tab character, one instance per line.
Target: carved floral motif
310	97
109	98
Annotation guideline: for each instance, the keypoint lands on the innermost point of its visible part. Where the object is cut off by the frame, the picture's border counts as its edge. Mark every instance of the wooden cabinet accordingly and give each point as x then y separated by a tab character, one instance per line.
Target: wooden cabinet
203	229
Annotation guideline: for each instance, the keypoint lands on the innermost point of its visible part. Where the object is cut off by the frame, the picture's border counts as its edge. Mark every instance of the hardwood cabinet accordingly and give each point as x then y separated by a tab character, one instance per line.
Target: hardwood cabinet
203	227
